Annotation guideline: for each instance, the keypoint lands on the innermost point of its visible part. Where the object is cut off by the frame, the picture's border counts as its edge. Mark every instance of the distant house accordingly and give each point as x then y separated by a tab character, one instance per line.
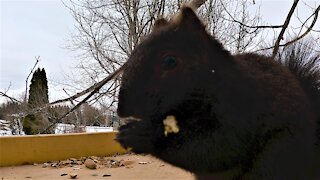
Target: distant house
62	128
98	129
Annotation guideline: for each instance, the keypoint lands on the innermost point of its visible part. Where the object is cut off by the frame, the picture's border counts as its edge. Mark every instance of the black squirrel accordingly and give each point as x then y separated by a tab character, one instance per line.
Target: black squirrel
245	116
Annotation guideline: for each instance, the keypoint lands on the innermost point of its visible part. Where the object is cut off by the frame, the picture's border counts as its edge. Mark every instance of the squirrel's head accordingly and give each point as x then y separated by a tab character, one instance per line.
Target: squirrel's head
170	64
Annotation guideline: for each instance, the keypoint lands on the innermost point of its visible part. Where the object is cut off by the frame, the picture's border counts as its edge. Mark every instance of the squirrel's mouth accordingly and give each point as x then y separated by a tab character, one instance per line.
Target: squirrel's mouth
144	135
168	121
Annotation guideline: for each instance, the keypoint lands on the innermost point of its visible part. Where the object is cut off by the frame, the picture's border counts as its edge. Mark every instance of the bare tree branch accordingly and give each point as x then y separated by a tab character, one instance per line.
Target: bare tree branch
285	25
95	88
9	97
76	114
248	26
34	66
309	29
254	27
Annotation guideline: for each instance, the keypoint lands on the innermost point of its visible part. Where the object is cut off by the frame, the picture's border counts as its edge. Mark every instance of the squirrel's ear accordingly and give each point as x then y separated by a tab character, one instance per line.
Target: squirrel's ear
188	20
159	23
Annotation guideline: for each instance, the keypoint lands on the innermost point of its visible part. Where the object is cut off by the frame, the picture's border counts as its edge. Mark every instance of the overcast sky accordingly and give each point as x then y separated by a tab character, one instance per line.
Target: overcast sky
29	29
32	28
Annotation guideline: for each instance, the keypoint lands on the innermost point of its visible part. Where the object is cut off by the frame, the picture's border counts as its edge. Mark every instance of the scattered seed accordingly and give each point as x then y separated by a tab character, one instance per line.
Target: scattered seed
143	162
73	176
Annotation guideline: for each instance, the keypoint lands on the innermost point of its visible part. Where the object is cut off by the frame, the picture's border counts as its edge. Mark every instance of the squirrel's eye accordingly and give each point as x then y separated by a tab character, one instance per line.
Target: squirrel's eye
169	62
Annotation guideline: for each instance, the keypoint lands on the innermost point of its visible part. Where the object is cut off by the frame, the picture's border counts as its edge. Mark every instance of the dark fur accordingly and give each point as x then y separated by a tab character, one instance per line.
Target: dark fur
250	118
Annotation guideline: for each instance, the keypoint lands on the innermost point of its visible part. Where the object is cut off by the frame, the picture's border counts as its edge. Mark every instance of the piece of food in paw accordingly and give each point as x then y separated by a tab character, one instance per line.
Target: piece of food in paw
170	125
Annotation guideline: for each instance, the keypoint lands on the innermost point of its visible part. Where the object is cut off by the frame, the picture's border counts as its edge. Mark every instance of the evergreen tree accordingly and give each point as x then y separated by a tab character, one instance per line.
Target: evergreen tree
34	123
38	92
